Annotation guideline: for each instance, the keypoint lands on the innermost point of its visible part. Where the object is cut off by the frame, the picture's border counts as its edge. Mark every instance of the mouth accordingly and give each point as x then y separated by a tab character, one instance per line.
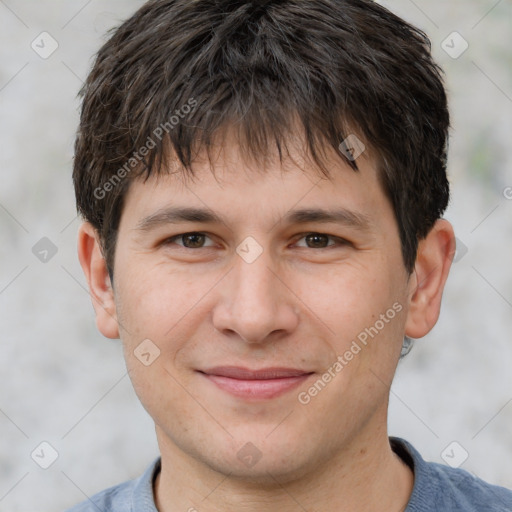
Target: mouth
260	384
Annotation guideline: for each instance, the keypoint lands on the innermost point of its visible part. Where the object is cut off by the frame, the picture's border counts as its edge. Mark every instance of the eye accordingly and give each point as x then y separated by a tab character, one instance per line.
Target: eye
321	241
196	240
192	240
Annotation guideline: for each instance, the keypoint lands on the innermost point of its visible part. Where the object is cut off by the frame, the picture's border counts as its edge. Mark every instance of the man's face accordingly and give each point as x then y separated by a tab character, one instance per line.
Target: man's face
321	304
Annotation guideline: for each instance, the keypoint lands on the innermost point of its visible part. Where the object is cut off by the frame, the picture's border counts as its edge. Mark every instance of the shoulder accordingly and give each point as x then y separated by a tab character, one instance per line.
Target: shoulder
115	499
442	488
124	497
459	490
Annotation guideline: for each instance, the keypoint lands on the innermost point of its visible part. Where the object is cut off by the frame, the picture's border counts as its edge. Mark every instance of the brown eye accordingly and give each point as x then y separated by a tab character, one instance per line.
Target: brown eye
317	240
189	240
321	241
193	240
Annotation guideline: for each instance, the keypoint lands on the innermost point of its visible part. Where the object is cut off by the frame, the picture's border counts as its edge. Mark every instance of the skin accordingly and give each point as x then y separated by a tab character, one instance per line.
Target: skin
300	304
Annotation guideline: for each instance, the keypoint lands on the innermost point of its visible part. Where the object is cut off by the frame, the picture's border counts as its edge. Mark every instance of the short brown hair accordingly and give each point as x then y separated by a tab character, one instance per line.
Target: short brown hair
176	73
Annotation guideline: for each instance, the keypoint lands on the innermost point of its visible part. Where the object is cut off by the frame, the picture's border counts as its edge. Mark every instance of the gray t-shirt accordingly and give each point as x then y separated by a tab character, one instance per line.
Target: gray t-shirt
437	488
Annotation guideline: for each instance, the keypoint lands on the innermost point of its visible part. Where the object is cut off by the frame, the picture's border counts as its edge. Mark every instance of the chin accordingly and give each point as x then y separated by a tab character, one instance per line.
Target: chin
269	471
261	459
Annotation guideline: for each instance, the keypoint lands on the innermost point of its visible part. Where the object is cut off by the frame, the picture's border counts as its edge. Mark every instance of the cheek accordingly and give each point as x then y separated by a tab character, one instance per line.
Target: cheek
364	309
346	298
157	309
168	307
153	300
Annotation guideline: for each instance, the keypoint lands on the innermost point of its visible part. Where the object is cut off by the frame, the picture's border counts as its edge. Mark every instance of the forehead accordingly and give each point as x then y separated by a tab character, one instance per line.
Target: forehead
234	188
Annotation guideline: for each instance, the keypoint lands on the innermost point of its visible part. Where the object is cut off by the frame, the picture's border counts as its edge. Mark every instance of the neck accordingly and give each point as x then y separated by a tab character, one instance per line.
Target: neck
366	476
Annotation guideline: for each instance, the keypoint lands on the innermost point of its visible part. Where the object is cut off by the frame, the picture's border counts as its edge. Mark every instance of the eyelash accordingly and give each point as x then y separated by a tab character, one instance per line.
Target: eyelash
340	241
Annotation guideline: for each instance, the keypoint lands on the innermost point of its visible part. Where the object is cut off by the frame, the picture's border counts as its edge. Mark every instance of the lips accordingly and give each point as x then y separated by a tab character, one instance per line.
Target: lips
234	372
258	384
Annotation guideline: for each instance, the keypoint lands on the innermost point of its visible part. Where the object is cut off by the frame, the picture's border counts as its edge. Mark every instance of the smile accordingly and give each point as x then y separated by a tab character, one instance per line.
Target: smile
261	384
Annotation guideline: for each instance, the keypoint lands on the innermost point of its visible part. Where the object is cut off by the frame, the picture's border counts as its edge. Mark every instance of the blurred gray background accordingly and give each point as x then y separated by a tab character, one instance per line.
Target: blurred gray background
62	383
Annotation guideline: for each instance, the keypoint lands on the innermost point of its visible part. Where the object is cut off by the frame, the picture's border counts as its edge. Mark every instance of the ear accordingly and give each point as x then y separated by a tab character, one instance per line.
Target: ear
426	285
95	269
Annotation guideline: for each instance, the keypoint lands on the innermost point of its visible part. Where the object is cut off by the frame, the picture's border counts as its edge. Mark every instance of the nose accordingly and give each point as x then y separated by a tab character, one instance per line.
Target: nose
256	304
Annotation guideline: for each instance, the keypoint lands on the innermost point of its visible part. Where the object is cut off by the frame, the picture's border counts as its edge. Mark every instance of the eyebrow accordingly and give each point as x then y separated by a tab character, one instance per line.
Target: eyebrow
175	215
339	216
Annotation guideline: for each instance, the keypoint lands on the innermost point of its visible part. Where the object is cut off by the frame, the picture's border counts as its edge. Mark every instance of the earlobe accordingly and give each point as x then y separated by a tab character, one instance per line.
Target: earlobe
433	262
100	288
